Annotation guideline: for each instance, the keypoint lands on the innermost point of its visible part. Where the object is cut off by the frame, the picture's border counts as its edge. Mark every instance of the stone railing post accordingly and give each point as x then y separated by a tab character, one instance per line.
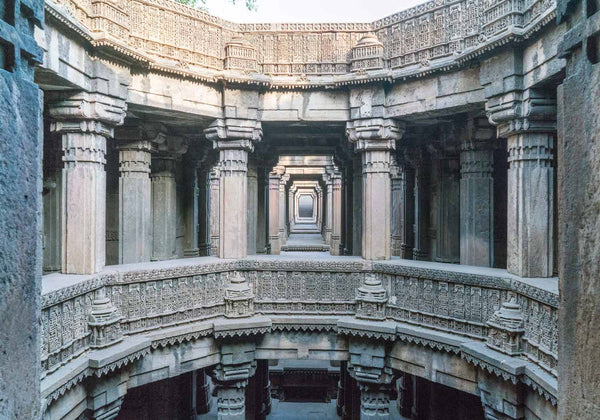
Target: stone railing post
234	139
477	195
374	139
84	121
529	124
164	198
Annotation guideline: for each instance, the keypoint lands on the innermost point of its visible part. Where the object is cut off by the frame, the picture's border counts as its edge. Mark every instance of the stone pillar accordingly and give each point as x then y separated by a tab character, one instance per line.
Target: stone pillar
367	367
290	210
357	207
336	217
421	208
319	207
83	182
408	212
164	199
252	227
282	207
214	224
341	389
191	210
231	379
204	212
374	138
329	210
530	128
397	216
262	211
274	238
405	394
201	392
477	198
135	202
348	209
264	388
447	217
234	139
52	201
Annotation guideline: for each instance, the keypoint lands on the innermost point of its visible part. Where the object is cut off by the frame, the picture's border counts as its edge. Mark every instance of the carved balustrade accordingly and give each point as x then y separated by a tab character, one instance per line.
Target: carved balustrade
438	34
160	295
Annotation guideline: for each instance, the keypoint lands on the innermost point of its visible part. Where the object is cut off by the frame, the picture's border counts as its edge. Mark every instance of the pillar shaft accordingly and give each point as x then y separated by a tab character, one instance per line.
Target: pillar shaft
252	209
375	402
376	194
192	211
83	196
262	237
530	230
201	392
135	201
357	208
329	213
336	216
274	238
282	207
164	206
397	216
421	237
477	205
214	213
233	202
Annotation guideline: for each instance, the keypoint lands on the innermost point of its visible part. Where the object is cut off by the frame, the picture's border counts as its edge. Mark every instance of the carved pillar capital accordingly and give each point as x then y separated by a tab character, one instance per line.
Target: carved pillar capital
374	133
234	133
522	111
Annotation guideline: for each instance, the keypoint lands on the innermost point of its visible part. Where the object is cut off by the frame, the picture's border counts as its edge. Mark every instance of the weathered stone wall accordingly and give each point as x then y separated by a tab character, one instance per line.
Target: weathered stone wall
579	209
20	210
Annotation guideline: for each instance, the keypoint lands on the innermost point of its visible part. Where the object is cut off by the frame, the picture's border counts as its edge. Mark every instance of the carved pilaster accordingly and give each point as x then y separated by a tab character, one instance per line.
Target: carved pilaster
375	138
234	139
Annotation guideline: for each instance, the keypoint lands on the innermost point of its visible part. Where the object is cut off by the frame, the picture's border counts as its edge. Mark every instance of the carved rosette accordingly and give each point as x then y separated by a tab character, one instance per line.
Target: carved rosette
367	54
104	322
506	327
241	55
371	299
239	299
